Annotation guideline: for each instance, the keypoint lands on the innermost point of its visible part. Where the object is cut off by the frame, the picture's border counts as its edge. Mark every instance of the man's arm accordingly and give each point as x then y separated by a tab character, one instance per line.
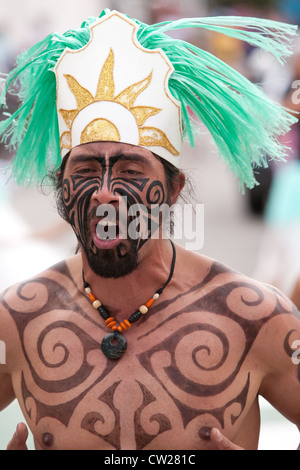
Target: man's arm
279	345
7	394
281	385
278	348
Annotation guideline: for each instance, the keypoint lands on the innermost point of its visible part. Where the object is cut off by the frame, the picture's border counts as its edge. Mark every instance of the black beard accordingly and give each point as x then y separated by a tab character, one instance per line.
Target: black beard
114	263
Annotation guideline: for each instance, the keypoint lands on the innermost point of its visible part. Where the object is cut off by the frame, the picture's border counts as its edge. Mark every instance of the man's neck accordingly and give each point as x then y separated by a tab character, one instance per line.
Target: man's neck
122	295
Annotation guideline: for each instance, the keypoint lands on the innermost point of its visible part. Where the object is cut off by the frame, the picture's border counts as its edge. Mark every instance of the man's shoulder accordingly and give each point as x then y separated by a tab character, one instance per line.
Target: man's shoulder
32	299
237	292
27	289
209	270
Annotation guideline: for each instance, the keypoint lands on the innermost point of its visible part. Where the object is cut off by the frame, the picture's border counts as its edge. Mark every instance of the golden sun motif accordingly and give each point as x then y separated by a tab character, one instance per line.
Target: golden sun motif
100	125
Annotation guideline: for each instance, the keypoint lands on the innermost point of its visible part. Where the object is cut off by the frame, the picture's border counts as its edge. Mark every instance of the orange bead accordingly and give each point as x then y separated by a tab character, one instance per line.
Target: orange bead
123	325
111	324
127	323
119	329
109	320
114	328
149	303
92	297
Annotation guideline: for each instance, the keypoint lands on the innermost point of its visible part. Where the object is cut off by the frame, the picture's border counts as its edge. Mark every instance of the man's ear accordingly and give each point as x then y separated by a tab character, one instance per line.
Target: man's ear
178	183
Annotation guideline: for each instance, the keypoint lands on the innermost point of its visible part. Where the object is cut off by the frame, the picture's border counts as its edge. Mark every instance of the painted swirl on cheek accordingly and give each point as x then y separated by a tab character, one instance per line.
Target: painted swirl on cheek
141	197
77	191
138	192
132	192
156	193
138	199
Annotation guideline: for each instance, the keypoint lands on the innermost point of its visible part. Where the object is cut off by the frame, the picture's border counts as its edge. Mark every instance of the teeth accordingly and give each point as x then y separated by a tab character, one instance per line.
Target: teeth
106	230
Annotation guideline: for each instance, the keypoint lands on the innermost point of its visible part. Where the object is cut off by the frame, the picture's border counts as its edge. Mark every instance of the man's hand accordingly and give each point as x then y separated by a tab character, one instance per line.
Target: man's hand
19	439
221	442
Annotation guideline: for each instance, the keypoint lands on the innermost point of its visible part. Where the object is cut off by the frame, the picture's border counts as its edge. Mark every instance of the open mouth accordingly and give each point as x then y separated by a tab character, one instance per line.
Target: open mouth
109	228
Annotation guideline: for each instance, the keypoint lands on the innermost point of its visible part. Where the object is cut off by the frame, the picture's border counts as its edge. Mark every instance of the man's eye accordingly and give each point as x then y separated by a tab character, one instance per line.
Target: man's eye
131	172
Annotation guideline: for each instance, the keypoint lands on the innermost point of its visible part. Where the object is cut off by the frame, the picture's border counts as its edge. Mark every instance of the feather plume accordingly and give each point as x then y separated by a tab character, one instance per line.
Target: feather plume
245	124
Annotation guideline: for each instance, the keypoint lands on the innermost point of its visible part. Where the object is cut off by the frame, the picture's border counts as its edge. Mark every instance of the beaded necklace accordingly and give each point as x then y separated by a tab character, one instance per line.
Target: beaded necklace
114	344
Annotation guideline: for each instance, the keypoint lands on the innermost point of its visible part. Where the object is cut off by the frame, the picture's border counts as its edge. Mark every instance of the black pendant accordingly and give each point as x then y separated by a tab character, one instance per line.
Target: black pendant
114	345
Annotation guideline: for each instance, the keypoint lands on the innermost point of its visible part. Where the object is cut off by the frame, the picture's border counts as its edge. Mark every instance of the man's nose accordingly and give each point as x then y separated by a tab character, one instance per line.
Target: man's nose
104	195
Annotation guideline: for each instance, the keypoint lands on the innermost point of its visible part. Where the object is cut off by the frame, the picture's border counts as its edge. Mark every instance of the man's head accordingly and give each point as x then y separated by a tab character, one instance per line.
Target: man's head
107	187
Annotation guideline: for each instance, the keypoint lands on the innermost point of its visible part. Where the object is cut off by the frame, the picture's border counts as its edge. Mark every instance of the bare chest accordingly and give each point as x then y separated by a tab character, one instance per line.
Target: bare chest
189	365
173	380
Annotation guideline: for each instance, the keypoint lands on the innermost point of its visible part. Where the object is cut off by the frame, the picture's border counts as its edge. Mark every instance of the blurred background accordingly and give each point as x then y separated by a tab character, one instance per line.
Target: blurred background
256	233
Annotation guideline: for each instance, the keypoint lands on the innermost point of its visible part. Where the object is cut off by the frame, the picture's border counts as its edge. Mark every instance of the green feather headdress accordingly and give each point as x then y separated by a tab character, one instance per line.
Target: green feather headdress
244	123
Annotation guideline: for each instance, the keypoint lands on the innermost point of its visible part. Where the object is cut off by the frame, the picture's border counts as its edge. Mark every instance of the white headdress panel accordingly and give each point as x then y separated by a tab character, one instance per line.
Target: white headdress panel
113	89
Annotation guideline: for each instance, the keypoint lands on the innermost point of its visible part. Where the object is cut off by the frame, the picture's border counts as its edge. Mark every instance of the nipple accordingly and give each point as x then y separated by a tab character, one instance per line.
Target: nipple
47	439
204	433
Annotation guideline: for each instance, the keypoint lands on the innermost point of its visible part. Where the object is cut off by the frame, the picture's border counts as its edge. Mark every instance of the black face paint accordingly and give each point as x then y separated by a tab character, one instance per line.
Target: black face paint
78	189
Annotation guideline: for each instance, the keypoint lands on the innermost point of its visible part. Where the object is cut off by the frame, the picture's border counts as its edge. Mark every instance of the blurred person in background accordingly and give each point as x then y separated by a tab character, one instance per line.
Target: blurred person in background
91	369
33	241
279	254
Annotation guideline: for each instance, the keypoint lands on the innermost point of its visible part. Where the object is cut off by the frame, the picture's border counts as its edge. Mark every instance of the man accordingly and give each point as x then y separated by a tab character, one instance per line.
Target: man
136	343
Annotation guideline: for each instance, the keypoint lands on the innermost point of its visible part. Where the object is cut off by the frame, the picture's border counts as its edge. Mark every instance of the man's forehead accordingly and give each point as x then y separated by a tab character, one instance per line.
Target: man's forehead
110	149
